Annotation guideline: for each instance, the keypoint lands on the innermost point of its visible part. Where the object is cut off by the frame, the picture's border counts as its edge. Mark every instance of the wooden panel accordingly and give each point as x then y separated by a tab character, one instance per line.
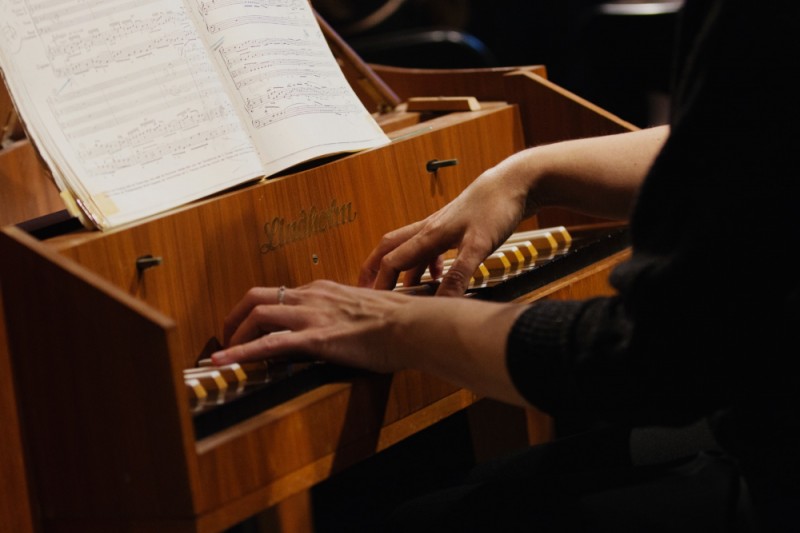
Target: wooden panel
10	126
316	435
485	84
26	190
589	281
551	113
548	112
100	349
15	505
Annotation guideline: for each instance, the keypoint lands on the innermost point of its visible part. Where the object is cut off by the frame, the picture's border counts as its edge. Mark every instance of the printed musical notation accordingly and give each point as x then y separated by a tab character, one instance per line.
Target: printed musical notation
141	78
207	6
266	55
142	105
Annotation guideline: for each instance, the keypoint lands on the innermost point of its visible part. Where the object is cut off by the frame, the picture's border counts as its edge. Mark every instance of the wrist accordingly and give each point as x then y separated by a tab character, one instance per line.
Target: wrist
523	175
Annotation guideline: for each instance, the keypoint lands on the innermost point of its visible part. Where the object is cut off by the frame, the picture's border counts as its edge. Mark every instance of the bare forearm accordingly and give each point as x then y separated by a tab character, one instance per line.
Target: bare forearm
460	340
598	176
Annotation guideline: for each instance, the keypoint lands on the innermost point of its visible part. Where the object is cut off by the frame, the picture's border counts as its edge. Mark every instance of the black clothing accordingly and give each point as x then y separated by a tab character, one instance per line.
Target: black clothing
586	485
701	330
703	323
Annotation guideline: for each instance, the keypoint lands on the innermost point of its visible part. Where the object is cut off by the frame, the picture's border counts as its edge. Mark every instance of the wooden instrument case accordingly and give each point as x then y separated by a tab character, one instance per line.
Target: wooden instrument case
97	408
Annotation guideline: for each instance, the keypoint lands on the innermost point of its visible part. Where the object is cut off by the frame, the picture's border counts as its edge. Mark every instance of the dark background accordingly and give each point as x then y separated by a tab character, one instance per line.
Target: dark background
619	62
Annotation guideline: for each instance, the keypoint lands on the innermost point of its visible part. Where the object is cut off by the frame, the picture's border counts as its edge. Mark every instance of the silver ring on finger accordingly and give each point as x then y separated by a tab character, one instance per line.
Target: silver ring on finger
281	294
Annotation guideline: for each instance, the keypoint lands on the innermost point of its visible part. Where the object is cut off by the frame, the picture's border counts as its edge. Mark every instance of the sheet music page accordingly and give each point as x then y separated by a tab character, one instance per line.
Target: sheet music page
124	103
292	92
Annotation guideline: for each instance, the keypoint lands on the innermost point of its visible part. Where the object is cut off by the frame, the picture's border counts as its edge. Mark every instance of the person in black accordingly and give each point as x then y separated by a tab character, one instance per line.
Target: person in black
703	325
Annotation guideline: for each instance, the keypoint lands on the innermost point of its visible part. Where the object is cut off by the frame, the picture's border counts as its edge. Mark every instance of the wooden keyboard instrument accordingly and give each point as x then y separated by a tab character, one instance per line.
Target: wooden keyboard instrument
99	327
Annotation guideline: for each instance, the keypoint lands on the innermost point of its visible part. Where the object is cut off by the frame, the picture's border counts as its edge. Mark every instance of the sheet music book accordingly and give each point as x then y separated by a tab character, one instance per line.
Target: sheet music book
141	106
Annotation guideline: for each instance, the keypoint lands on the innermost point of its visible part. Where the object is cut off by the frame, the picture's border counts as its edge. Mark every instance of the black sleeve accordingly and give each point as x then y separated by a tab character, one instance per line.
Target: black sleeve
707	308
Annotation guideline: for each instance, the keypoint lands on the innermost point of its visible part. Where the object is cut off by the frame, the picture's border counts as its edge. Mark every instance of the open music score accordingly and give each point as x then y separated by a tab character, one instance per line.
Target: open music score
141	107
209	386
